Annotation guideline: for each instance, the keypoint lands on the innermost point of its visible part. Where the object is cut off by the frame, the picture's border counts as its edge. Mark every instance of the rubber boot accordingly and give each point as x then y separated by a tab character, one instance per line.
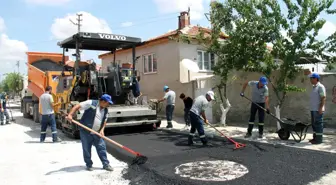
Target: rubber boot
261	131
249	131
169	124
314	137
55	139
318	140
42	137
190	140
204	141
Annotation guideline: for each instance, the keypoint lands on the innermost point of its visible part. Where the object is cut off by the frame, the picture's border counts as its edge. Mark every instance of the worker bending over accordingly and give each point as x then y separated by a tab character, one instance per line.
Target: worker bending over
187	106
197	117
95	116
259	97
3	107
170	97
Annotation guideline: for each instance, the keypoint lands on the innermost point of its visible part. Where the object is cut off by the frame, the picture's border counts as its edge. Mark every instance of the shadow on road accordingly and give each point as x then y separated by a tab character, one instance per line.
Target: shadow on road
70	169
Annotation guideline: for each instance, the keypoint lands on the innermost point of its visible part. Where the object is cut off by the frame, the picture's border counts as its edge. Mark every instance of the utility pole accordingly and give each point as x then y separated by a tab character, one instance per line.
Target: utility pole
78	24
78	58
18	65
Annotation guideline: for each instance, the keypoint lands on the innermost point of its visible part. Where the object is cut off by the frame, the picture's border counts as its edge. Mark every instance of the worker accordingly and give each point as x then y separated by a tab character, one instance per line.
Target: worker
48	115
259	97
136	89
3	106
187	106
198	118
94	117
170	97
317	108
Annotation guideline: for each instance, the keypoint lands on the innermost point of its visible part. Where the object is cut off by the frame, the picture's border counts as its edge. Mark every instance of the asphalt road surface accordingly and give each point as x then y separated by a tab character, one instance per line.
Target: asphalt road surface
266	164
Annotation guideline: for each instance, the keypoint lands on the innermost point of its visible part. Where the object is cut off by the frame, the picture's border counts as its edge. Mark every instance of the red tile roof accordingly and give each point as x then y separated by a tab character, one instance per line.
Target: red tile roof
190	30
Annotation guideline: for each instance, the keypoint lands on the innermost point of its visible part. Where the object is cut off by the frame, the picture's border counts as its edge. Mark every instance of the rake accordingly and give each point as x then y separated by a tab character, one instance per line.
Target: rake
237	145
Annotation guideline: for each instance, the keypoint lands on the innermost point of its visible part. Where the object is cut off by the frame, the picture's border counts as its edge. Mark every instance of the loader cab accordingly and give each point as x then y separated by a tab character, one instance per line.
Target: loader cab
91	83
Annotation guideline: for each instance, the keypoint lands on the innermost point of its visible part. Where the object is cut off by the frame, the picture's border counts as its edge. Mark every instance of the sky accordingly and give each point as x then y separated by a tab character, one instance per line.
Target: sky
37	25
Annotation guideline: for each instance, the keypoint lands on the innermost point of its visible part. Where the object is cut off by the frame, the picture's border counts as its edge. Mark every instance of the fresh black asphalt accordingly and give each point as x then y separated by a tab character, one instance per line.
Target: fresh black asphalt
267	164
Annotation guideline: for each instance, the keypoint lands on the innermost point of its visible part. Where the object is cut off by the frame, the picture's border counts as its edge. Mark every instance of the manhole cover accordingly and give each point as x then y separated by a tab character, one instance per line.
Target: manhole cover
219	170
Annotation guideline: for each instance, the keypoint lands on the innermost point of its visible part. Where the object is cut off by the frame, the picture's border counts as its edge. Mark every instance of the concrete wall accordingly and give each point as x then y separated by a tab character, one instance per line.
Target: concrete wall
296	104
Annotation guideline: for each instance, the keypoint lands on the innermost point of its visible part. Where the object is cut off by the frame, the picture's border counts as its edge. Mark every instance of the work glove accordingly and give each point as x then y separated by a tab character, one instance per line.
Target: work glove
267	111
242	94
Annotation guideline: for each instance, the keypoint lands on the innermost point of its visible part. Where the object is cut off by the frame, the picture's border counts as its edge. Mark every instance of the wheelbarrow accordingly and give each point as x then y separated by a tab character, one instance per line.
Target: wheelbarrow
289	127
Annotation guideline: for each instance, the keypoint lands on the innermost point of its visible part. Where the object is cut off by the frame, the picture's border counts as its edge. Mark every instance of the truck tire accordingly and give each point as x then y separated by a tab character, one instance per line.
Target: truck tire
24	110
36	115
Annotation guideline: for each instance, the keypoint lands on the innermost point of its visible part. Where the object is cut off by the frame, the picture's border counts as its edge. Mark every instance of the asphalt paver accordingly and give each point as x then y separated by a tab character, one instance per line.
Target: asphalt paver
267	164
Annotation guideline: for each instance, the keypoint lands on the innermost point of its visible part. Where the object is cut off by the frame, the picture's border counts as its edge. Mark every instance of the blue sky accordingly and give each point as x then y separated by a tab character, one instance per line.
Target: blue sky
37	25
30	21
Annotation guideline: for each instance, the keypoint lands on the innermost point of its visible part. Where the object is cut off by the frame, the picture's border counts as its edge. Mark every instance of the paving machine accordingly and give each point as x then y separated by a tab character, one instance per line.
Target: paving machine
89	82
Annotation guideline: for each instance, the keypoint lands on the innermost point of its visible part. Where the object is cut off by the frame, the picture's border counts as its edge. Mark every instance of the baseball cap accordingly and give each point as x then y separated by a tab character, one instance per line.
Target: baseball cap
165	87
314	75
211	94
263	80
107	98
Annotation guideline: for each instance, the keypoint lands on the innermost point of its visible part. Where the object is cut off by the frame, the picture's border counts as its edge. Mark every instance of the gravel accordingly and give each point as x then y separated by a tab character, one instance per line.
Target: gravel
267	164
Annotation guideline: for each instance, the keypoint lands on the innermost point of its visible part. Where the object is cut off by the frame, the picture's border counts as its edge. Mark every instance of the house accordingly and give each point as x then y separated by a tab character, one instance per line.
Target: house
159	63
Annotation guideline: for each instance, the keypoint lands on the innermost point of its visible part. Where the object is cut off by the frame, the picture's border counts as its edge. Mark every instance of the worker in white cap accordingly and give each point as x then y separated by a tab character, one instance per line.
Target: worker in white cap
197	116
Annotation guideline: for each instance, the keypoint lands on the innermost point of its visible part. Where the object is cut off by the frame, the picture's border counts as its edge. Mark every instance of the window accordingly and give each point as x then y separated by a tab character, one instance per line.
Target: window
205	60
149	63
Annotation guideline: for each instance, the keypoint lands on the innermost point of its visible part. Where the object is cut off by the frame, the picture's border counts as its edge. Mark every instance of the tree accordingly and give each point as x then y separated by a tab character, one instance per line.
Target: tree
263	37
13	83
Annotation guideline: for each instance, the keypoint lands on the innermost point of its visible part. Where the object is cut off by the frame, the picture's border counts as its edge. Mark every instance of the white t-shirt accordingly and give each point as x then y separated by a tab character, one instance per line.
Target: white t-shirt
99	114
200	104
46	101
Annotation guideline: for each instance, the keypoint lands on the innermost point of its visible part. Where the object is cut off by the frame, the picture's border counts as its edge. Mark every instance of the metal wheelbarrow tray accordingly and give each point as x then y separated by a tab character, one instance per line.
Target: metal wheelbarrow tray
289	127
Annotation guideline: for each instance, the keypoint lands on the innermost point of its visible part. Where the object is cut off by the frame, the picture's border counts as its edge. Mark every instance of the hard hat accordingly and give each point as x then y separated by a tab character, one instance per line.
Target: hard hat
165	87
106	98
211	94
263	80
314	75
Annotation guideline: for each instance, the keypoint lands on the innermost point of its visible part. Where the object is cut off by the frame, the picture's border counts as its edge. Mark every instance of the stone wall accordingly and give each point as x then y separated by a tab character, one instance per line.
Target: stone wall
296	105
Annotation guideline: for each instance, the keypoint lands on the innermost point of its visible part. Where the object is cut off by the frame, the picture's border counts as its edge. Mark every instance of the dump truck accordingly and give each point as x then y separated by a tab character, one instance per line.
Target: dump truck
83	80
44	70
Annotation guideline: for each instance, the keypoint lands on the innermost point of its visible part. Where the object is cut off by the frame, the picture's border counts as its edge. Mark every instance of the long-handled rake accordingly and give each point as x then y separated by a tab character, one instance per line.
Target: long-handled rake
139	159
237	145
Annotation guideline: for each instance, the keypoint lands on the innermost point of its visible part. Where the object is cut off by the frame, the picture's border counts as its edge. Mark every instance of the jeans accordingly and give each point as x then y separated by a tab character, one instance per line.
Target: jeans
196	124
169	114
3	114
261	117
48	120
88	140
317	125
187	116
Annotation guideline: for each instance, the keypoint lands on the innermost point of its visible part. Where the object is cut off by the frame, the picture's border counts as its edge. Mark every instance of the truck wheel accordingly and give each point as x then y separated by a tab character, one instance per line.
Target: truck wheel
24	111
36	115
